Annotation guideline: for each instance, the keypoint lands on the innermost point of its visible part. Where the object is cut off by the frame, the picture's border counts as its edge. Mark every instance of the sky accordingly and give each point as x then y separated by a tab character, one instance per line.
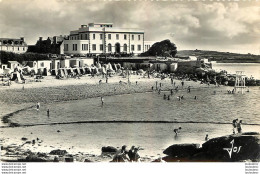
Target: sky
220	26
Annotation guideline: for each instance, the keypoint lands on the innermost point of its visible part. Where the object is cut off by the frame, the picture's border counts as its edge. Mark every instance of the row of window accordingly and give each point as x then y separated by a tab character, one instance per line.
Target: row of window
84	47
86	37
18	48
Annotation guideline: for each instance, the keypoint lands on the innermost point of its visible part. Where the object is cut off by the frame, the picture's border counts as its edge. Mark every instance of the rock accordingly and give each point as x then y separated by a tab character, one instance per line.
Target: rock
182	150
109	149
69	159
24	139
58	152
56	159
87	160
236	147
35	158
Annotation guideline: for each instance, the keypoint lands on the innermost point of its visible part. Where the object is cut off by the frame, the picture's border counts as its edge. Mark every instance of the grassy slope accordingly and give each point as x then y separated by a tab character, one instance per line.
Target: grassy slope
224	57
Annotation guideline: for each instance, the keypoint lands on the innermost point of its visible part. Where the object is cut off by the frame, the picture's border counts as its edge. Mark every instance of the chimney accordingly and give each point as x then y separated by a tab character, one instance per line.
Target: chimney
22	38
40	38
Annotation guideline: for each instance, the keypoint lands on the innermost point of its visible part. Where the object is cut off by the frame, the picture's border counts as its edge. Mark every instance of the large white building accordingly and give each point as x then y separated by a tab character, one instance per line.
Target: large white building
13	45
103	38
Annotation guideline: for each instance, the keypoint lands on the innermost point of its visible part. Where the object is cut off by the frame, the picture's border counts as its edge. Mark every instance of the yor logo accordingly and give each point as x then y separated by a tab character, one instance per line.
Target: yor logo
232	149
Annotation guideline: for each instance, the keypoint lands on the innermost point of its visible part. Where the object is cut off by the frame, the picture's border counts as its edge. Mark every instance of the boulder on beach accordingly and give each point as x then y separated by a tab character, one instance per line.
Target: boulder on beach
238	147
230	148
35	158
58	152
182	150
109	149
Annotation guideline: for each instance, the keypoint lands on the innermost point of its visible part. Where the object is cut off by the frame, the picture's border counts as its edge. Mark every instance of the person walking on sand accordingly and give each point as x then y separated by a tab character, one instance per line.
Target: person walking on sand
234	123
182	83
239	129
38	106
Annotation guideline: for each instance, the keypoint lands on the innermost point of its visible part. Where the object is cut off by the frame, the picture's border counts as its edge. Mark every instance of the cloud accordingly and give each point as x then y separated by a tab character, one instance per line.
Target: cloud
194	24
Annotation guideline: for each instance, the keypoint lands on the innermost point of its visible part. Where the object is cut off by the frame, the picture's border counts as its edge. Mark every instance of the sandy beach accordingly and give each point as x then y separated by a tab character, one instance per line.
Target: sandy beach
19	97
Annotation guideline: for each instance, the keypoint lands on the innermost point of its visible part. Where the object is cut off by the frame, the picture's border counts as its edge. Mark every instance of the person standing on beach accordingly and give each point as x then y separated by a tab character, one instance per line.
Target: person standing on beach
195	97
171	91
207	137
182	83
188	89
234	123
102	101
174	83
48	112
38	106
156	85
168	97
239	129
171	80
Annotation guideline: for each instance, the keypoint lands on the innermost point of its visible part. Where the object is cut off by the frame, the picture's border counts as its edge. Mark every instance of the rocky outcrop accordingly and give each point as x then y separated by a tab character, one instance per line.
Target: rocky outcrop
182	150
109	149
58	152
164	48
236	147
231	148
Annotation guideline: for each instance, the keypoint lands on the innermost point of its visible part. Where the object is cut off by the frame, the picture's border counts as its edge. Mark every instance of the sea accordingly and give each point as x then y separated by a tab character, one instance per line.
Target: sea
250	69
145	120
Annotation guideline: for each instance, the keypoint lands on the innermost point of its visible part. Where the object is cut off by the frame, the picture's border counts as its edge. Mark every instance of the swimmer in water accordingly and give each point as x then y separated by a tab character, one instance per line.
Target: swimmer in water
176	131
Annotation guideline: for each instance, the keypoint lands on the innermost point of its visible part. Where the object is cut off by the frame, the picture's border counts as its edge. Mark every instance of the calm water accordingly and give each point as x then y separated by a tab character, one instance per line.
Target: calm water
250	69
153	137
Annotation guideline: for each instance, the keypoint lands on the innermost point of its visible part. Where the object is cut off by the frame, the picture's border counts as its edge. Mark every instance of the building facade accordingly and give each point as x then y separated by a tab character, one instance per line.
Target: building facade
13	45
103	38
